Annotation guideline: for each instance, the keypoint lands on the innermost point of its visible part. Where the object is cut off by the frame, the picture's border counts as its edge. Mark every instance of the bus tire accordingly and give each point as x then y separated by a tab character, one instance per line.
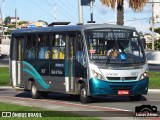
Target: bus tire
35	94
135	97
83	94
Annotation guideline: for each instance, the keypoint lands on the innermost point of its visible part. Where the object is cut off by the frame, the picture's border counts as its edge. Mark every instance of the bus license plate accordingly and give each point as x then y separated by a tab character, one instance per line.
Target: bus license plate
123	92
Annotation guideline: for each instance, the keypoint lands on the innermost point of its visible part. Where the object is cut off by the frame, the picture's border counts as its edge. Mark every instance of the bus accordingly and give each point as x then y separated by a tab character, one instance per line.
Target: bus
80	60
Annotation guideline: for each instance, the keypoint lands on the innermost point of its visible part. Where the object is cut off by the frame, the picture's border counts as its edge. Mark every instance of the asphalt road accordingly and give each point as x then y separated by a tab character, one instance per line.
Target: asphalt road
4	61
118	103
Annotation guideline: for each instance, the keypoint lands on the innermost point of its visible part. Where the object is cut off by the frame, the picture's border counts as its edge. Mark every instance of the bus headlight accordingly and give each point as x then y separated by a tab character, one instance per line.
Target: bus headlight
97	75
144	75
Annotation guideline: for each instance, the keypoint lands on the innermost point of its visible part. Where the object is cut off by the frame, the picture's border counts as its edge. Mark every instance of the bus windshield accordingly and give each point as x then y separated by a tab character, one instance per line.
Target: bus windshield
114	46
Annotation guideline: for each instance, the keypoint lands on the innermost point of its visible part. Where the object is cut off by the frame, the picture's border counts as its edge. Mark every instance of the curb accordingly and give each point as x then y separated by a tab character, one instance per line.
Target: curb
5	87
154	90
10	87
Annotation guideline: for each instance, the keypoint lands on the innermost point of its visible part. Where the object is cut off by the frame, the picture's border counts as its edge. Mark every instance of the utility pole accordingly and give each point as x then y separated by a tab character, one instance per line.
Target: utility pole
80	12
153	20
2	16
3	9
152	24
2	22
16	17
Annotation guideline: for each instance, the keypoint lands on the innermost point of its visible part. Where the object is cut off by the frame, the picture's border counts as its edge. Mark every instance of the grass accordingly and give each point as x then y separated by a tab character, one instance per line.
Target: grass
4	76
154	82
20	109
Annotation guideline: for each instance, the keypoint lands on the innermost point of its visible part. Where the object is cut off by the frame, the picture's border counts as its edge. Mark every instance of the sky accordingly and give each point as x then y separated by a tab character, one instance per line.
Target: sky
67	10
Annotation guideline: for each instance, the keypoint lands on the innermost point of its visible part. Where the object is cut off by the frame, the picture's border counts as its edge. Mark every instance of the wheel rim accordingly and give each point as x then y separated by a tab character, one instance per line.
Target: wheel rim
34	89
83	93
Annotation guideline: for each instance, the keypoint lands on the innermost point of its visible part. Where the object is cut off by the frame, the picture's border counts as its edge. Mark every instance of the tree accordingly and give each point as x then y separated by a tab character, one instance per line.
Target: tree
23	22
7	20
157	30
43	21
136	5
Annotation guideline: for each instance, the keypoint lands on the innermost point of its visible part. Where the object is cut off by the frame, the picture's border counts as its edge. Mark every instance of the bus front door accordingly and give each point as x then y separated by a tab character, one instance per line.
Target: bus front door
70	63
17	79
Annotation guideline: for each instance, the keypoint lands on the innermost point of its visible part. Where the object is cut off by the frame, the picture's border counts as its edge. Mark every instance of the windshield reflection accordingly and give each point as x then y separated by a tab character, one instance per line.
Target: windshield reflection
114	46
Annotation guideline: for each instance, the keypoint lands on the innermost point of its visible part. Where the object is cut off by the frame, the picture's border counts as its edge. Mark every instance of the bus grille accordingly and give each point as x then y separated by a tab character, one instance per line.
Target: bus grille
121	78
121	87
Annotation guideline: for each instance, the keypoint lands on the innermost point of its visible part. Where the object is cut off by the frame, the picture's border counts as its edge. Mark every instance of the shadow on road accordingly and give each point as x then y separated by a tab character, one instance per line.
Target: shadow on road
73	98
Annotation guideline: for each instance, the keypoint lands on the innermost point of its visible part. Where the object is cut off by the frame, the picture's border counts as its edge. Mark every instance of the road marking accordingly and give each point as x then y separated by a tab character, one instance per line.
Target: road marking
154	100
116	109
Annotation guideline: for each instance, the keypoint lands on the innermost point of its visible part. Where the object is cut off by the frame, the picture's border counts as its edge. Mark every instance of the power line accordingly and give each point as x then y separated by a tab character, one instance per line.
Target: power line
41	8
132	20
63	12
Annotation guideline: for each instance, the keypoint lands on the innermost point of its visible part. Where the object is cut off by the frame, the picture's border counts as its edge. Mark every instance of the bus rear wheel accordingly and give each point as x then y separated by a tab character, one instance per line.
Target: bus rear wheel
84	98
34	92
135	97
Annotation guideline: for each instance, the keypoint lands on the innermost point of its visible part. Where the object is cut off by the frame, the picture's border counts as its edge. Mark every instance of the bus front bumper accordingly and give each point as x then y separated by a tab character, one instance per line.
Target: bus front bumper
100	87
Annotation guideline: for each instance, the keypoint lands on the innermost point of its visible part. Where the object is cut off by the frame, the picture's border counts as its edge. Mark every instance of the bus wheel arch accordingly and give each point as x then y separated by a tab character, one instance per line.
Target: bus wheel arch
84	98
30	80
79	86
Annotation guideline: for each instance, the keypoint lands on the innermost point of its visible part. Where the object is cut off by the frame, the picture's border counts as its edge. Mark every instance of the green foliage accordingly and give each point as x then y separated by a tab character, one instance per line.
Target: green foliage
157	30
11	26
43	21
157	45
21	109
23	22
154	82
8	32
149	45
7	20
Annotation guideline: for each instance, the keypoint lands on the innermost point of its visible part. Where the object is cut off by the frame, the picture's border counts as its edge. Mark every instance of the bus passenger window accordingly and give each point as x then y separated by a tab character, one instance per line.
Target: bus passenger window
58	46
43	46
80	53
30	49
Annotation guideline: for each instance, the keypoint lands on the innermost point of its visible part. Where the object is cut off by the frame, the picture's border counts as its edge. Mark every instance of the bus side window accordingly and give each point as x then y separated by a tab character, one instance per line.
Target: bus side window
43	46
30	49
58	46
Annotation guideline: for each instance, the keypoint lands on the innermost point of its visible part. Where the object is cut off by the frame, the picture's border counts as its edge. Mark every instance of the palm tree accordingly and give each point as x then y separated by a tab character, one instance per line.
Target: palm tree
136	5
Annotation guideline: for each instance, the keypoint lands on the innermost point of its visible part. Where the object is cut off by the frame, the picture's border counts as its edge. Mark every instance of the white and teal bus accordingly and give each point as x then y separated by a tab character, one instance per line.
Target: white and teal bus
85	60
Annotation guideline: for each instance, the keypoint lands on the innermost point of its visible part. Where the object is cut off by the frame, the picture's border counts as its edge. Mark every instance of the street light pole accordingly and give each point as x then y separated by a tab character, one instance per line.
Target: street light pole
91	11
80	12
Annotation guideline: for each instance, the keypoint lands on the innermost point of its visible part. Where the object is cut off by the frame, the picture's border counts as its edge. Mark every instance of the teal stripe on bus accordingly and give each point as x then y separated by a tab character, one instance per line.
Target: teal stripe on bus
36	75
66	69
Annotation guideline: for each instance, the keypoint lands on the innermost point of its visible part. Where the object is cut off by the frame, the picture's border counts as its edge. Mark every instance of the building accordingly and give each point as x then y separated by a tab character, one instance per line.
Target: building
5	45
13	20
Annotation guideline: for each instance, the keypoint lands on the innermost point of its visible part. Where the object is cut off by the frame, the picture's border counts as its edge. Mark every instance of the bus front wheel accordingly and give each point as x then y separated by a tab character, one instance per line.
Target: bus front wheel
84	98
35	94
135	97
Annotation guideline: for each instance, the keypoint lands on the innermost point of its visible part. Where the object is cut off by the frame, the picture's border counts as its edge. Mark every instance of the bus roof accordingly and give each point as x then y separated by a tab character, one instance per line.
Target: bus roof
70	28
